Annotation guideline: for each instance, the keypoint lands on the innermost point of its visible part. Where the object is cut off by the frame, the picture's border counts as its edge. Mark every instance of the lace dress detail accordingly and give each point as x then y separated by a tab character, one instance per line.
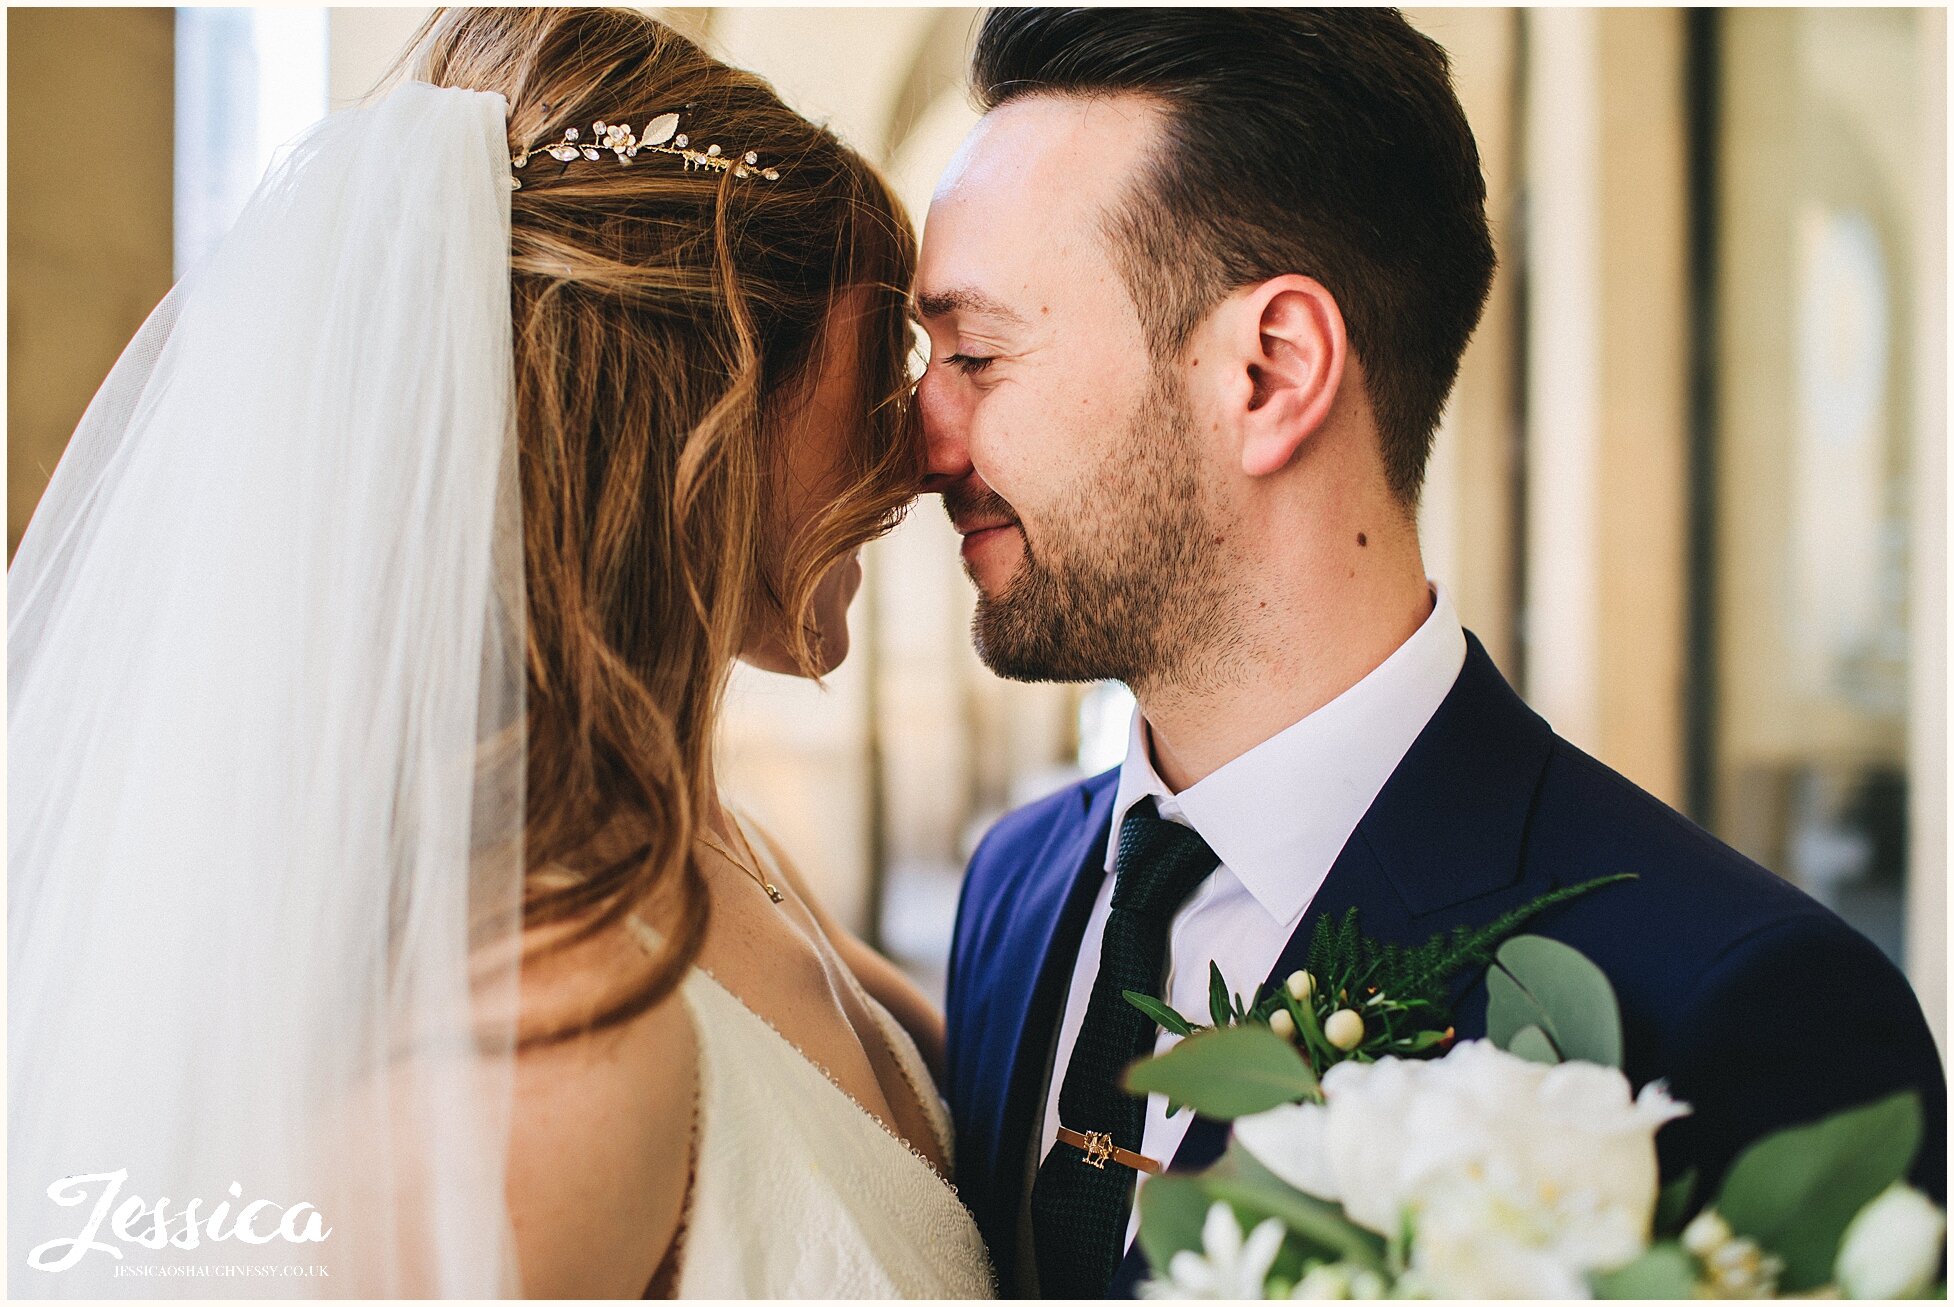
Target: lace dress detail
799	1192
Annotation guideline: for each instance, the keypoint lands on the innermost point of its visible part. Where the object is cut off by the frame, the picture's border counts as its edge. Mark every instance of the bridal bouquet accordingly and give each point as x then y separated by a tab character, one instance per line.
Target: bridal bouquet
1372	1157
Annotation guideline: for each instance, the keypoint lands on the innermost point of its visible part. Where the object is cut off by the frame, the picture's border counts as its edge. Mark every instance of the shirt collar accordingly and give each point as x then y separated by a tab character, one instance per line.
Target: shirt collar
1279	814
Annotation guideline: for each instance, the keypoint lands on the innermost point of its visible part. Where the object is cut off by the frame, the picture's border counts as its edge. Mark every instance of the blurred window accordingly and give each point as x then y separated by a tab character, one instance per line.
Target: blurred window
247	81
1105	726
1816	249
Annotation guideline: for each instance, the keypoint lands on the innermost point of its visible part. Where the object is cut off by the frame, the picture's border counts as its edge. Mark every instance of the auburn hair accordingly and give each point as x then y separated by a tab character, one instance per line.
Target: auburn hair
665	318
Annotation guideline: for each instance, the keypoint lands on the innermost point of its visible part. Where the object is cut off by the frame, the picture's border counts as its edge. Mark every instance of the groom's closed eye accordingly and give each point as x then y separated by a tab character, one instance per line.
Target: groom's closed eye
968	364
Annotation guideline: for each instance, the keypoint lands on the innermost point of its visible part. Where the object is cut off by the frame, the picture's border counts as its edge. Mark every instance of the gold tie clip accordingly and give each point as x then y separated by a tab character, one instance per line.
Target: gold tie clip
1099	1150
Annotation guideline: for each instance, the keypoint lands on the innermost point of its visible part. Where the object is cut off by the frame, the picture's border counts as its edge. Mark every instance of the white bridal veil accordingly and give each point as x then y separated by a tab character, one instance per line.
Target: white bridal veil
265	775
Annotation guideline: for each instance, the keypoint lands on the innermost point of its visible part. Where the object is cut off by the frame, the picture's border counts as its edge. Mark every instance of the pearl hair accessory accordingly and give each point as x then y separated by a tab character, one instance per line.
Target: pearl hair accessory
661	136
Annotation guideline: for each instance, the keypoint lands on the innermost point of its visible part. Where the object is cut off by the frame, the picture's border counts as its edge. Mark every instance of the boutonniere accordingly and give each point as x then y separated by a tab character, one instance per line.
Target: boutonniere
1360	999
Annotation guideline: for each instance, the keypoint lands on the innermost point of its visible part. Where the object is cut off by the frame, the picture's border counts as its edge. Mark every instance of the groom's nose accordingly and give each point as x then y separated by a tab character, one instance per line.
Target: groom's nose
945	441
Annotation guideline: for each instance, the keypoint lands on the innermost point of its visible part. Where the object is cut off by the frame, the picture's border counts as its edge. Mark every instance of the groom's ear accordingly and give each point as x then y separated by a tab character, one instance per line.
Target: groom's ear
1285	348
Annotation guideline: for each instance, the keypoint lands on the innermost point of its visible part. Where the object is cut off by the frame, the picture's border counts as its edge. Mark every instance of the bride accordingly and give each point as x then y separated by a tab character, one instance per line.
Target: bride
376	927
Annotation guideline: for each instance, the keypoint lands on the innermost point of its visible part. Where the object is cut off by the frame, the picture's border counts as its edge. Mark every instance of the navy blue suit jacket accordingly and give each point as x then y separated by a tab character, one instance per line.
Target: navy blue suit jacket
1760	1007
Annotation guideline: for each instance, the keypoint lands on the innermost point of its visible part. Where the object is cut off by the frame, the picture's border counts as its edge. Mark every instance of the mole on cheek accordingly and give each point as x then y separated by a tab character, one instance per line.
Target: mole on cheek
1362	540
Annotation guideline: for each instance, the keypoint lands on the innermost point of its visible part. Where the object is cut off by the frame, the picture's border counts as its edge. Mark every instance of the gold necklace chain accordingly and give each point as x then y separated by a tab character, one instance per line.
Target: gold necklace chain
751	868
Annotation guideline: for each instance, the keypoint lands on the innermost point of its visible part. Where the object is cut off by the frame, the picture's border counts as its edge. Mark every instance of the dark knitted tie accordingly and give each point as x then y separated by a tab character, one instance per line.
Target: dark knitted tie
1079	1211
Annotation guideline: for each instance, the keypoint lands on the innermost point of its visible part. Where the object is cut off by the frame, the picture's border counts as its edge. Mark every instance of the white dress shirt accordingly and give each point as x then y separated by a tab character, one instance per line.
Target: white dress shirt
1278	816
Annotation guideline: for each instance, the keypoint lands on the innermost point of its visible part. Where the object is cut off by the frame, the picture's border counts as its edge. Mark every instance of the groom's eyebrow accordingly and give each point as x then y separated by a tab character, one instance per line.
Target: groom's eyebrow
941	304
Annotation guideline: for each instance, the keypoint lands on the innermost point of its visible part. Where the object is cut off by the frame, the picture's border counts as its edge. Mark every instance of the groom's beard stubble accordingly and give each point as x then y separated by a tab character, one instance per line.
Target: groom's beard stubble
1122	582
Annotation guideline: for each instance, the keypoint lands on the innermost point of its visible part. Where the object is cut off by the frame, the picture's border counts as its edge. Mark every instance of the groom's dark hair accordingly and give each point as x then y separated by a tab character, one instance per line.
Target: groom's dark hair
1326	142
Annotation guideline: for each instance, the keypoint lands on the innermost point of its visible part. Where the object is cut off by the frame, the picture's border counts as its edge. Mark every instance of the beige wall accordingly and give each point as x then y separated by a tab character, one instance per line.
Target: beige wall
1466	517
1641	516
1927	853
89	258
1835	116
361	44
1607	386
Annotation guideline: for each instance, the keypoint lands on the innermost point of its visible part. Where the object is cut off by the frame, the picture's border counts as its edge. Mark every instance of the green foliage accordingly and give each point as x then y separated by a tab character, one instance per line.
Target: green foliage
1342	958
1218	1006
1540	990
1531	1043
1159	1012
1399	992
1672	1204
1223	1074
1172	1208
1335	947
1664	1270
1795	1191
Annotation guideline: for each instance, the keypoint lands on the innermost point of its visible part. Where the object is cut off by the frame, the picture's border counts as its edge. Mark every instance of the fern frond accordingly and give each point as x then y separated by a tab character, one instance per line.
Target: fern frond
1334	947
1424	971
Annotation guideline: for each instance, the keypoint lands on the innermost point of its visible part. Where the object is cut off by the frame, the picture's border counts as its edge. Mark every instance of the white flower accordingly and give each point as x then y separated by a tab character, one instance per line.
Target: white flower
1731	1267
1227	1267
1300	985
1738	1268
1282	1023
1520	1178
1892	1247
1289	1140
1339	1280
1707	1233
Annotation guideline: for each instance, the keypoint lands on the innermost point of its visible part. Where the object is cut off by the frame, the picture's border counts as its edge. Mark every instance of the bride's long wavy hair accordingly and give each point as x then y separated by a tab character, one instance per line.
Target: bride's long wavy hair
665	318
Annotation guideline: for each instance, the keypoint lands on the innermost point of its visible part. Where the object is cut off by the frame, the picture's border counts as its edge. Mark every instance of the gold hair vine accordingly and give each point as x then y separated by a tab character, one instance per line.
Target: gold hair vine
662	136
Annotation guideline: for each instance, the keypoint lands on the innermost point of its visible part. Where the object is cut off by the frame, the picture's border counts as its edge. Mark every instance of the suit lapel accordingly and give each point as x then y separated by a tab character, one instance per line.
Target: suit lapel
1443	839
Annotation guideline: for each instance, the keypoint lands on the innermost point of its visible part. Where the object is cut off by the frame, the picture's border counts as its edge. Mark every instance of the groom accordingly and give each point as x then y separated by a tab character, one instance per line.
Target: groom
1196	288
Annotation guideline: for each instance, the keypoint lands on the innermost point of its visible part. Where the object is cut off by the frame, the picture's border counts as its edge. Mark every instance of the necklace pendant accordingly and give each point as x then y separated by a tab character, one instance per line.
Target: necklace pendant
772	892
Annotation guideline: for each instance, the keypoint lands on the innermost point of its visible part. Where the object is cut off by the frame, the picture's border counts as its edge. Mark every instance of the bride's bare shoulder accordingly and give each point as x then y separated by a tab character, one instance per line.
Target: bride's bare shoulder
601	1140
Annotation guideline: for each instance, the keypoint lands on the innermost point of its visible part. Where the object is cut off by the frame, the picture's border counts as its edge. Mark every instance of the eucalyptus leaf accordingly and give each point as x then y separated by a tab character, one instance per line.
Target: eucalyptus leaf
1226	1073
1665	1270
1159	1013
1543	982
1672	1204
1795	1191
1509	1009
1531	1043
1172	1209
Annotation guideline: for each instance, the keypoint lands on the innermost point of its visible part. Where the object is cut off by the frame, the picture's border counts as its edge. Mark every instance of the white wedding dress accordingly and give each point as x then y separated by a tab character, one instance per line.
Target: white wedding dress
797	1190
